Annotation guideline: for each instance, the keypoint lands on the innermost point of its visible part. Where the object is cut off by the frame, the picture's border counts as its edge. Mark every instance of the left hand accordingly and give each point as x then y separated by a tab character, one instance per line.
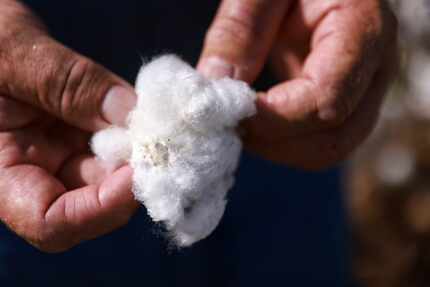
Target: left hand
333	59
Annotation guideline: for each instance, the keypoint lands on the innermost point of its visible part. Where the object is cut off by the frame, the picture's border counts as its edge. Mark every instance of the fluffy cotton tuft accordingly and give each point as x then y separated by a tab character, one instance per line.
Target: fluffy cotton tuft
112	146
182	145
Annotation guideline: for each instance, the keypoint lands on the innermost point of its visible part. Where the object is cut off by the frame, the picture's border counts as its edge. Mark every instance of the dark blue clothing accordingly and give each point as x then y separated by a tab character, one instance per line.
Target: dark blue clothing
282	227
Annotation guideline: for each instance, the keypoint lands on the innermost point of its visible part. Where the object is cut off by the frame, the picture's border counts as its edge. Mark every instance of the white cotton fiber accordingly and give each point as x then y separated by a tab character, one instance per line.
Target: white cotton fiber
113	146
184	148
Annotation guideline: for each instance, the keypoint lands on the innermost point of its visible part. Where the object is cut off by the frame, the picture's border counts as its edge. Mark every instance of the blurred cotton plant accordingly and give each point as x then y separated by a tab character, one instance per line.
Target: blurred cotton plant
414	27
413	16
389	178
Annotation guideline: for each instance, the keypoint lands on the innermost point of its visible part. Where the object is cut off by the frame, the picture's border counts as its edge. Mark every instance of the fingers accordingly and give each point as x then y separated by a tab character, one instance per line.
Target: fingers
39	71
82	170
326	148
14	114
47	143
344	56
91	211
68	86
37	207
239	39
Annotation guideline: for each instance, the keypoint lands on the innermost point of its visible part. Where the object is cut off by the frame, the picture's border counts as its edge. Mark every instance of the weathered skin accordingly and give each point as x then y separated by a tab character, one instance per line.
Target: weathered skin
332	59
52	192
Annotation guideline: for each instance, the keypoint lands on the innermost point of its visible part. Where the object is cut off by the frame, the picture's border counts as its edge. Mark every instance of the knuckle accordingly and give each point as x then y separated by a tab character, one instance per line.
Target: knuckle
231	29
334	111
65	84
71	86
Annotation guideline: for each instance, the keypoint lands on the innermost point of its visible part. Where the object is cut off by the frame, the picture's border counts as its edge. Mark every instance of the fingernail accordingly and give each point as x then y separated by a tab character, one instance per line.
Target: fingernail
216	68
117	104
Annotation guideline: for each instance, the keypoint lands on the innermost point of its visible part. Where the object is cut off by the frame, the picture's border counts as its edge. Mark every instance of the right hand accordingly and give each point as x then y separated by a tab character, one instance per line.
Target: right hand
53	192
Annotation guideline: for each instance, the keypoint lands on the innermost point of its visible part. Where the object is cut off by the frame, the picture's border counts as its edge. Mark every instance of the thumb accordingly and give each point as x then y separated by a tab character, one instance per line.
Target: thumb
239	40
45	74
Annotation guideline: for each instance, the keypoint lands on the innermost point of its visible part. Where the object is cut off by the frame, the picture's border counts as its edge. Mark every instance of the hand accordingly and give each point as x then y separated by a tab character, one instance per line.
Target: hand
54	193
333	60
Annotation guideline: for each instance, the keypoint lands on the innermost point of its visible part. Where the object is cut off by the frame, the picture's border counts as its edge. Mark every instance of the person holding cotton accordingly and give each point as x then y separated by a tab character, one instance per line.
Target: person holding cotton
333	60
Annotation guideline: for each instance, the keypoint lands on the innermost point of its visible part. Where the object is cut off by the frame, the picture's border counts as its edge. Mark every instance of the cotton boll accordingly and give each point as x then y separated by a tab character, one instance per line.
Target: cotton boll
184	148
